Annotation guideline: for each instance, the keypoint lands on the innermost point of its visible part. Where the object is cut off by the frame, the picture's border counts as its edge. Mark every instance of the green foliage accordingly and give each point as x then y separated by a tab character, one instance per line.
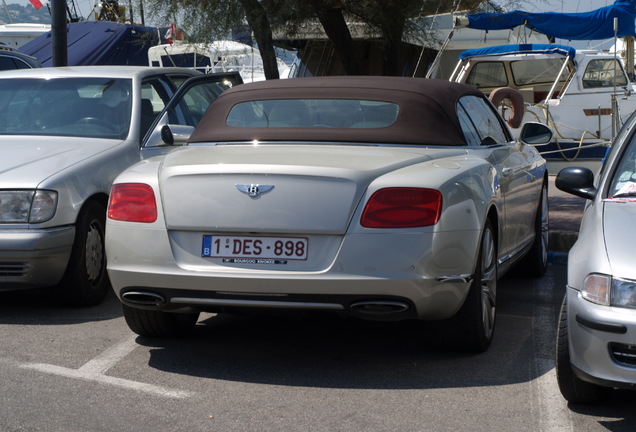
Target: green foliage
200	20
388	20
205	20
24	14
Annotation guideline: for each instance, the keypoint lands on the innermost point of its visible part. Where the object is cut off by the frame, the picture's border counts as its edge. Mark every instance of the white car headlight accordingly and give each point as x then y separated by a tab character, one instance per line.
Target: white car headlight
27	206
623	293
605	290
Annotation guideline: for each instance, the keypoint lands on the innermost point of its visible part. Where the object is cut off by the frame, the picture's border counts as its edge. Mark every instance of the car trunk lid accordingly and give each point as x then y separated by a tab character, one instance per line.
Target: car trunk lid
272	188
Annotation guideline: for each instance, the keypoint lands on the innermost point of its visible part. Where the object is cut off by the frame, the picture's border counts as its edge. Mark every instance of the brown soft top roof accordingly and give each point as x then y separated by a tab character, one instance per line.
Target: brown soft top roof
427	110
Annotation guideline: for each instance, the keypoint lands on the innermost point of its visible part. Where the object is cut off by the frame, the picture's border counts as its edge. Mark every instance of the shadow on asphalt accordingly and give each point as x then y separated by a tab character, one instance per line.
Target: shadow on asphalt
46	306
328	352
617	412
319	352
337	353
565	213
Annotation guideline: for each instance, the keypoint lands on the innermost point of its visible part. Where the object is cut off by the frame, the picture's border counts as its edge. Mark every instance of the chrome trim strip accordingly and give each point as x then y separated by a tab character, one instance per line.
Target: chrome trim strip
234	293
326	143
462	278
503	259
514	253
255	303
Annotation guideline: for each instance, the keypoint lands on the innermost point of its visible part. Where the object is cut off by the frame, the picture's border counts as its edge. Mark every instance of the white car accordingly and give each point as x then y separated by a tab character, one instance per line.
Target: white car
65	133
375	197
596	345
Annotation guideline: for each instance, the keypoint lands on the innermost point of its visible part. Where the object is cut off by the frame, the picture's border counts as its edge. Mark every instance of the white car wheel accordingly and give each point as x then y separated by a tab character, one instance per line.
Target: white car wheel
159	324
473	327
488	284
535	263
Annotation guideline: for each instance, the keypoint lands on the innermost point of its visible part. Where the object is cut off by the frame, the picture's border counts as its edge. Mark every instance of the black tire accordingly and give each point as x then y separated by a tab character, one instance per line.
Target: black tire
159	324
535	263
85	282
472	328
573	388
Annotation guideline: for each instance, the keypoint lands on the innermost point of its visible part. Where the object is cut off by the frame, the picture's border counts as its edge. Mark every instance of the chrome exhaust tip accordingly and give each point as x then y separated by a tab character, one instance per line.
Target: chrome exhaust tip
143	298
379	307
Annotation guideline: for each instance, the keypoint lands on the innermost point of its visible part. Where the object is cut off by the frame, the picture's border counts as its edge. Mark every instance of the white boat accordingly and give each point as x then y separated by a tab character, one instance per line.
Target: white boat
218	56
16	35
584	96
451	41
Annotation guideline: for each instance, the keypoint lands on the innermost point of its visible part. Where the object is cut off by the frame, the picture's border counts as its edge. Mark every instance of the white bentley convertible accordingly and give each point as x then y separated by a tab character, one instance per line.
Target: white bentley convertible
375	197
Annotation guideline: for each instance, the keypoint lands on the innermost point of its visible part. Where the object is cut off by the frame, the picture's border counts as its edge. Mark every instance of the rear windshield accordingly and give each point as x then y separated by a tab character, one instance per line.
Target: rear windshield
313	113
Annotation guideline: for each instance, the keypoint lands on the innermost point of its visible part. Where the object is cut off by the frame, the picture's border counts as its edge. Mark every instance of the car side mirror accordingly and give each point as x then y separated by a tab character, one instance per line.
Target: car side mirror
576	181
173	134
535	133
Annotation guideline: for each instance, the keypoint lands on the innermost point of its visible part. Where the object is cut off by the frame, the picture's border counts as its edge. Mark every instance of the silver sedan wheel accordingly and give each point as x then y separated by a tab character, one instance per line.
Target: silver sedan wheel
94	252
85	282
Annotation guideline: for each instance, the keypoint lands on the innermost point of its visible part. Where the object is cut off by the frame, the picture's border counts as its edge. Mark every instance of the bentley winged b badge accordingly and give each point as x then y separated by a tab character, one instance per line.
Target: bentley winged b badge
254	190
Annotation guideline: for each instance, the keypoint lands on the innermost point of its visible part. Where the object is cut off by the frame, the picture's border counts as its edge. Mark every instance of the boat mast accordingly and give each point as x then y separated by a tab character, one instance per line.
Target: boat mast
432	69
71	12
6	8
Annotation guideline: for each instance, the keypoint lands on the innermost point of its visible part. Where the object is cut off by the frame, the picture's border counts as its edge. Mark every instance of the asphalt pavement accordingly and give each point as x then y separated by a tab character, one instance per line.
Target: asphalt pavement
565	213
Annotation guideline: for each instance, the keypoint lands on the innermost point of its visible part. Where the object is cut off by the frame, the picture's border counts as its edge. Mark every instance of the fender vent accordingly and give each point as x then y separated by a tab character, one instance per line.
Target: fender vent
623	354
9	269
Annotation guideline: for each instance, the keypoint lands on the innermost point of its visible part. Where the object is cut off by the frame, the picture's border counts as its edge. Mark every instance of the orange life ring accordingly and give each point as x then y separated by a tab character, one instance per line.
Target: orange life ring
498	95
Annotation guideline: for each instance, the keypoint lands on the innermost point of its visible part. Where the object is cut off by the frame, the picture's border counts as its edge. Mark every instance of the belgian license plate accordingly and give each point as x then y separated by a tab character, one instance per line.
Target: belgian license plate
244	247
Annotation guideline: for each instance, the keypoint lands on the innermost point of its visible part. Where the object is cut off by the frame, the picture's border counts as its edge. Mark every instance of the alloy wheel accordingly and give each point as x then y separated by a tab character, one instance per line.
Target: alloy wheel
488	282
94	252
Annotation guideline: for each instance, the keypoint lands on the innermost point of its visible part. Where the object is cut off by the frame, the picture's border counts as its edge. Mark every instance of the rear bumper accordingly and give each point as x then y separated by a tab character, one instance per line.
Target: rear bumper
380	275
380	308
371	298
34	258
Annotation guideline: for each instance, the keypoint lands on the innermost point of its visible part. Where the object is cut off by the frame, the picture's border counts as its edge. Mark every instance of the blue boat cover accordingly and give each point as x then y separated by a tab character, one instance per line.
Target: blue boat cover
594	25
522	48
99	43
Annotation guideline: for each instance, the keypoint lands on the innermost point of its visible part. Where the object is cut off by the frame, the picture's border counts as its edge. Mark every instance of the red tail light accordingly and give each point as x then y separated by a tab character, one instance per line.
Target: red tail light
402	208
132	202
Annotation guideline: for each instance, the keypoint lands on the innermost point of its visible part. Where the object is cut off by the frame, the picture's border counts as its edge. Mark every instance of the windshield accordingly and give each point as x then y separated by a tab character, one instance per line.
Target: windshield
603	73
488	74
541	71
623	183
86	107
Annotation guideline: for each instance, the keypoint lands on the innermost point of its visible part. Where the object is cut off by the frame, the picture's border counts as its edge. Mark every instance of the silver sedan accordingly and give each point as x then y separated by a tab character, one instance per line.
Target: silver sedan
596	346
65	133
374	197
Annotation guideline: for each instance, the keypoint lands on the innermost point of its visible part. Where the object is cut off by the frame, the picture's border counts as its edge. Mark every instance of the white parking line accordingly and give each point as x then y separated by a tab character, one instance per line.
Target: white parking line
555	416
554	413
95	369
107	359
